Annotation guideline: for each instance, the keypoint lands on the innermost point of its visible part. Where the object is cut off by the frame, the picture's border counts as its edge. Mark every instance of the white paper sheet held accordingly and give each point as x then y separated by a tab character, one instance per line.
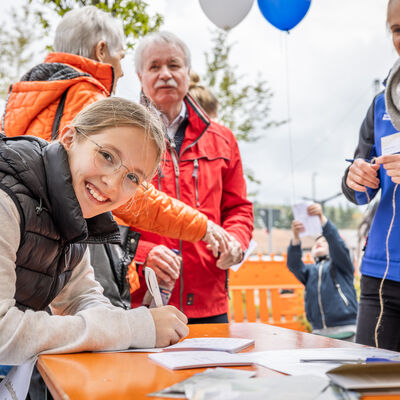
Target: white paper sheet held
312	224
252	246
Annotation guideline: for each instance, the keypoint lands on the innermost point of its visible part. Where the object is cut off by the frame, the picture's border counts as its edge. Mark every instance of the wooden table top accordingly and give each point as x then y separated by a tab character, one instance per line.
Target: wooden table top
122	376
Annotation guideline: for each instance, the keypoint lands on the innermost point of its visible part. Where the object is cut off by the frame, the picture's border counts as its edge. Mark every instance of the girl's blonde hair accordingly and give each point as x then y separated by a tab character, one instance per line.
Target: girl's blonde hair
203	95
114	112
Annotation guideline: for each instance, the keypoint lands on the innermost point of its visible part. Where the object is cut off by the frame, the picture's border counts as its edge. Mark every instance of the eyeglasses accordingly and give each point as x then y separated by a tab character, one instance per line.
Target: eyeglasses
109	162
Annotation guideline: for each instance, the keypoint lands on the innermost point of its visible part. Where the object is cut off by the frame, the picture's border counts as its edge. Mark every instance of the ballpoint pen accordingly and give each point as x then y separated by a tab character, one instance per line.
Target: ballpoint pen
152	285
332	360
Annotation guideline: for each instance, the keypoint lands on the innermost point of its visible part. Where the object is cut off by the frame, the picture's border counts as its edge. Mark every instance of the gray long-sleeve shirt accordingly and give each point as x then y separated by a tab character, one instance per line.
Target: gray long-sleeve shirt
83	319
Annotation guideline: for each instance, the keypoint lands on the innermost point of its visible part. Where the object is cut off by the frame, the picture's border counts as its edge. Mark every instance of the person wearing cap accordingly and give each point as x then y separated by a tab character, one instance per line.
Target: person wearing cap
379	309
330	298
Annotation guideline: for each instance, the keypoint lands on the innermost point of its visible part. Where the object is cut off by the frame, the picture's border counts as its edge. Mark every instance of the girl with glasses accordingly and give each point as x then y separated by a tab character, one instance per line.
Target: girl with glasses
54	200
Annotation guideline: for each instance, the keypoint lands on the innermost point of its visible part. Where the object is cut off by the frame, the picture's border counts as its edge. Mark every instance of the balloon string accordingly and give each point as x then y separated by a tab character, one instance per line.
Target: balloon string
289	119
381	305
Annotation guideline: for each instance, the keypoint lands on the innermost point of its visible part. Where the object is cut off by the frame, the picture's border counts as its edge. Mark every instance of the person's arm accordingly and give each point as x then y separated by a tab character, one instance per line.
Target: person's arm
96	325
338	251
361	176
147	328
155	211
236	211
294	254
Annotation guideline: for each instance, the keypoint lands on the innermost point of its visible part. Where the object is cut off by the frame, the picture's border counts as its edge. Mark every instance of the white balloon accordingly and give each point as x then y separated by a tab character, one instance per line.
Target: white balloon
226	14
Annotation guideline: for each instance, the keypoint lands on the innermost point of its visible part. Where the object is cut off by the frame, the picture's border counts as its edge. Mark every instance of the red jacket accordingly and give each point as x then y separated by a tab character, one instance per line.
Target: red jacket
210	178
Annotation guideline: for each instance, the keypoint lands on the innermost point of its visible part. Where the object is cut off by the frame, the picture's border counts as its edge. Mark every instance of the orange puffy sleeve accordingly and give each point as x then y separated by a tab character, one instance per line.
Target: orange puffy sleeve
156	212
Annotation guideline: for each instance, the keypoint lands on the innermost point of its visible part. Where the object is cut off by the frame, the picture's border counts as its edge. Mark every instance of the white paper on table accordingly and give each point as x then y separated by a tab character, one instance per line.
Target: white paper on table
252	246
312	224
15	385
231	345
199	359
288	361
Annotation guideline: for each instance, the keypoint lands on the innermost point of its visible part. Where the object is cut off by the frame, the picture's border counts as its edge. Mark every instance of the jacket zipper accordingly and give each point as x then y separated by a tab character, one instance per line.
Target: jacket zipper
64	252
341	294
194	175
175	162
321	309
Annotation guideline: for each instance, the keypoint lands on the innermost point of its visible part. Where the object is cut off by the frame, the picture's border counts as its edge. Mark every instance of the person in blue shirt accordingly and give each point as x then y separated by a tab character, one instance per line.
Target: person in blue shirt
371	172
330	297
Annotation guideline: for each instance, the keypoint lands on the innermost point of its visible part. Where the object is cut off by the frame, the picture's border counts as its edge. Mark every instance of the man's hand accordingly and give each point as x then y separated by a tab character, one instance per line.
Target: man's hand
216	238
362	174
391	163
316	209
233	254
170	325
297	227
165	263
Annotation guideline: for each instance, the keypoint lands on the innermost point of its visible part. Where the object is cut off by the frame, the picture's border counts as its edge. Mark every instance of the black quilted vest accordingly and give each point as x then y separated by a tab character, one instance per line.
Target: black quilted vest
54	233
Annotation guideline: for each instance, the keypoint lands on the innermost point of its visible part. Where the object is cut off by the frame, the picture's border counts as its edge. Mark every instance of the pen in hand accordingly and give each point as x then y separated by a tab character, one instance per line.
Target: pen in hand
152	285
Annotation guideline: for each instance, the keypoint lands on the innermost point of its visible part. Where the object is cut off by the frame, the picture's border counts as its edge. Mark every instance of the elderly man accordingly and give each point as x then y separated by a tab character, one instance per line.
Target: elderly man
203	169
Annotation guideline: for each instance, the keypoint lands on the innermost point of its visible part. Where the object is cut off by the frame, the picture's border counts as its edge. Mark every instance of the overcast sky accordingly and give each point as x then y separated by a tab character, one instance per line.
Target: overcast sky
333	56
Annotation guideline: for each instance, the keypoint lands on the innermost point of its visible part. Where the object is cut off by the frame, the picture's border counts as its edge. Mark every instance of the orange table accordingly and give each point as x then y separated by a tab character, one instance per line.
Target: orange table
121	376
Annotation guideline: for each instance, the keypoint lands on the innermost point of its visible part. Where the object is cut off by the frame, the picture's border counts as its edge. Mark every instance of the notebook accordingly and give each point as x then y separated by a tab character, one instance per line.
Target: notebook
231	345
199	359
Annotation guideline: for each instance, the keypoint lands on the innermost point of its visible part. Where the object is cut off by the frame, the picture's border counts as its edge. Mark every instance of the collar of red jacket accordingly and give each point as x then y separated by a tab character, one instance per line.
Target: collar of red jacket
198	119
104	73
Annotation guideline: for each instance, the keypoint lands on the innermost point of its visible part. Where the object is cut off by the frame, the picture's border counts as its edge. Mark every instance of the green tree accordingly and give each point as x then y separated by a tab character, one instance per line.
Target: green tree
17	34
133	14
243	108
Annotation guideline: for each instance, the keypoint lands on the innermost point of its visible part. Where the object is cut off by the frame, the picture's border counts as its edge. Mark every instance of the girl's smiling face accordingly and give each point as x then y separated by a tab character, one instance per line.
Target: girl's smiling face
100	189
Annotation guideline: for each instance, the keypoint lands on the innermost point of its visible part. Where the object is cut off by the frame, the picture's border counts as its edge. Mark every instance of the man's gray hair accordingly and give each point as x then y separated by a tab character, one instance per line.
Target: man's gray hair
162	37
82	28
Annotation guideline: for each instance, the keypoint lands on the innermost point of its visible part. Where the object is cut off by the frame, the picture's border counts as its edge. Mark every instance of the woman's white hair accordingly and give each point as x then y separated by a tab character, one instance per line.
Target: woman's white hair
161	37
82	28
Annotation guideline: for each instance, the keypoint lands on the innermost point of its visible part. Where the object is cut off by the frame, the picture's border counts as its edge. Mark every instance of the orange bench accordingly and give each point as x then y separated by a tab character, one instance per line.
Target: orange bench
267	291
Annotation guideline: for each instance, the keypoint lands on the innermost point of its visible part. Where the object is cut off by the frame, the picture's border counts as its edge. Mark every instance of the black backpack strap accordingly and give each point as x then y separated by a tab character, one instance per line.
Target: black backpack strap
59	114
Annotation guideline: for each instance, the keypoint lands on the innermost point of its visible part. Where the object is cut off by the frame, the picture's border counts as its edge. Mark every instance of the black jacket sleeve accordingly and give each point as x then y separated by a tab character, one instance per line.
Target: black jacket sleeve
338	251
364	148
296	265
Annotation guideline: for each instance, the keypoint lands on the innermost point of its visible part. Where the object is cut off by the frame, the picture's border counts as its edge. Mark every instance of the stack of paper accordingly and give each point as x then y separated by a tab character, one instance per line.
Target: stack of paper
231	345
199	359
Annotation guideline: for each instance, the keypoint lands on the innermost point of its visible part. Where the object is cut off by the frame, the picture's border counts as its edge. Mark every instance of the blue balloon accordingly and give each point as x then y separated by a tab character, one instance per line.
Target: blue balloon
284	14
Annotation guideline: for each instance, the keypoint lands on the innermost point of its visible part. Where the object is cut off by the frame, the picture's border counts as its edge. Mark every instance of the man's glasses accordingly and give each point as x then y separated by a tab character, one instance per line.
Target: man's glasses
109	162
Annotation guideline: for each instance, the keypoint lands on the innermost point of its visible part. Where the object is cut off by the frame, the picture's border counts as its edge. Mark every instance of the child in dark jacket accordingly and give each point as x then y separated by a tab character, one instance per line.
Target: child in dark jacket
330	297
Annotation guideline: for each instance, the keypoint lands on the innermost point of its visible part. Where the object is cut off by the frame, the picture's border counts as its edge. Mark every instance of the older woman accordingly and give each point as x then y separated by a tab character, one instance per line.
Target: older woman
54	199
